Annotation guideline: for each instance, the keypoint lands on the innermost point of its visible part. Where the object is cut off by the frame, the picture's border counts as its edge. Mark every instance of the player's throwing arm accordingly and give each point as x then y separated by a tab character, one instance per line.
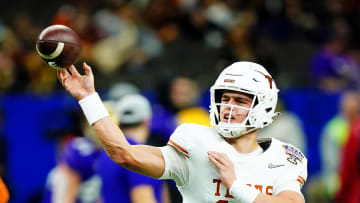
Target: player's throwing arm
146	160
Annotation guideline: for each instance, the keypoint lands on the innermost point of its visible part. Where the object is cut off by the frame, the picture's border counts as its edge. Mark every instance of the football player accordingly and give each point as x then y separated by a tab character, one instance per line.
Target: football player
222	164
74	179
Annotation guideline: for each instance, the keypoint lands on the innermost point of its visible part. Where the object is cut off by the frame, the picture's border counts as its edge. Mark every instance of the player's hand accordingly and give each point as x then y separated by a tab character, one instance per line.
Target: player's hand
79	86
225	167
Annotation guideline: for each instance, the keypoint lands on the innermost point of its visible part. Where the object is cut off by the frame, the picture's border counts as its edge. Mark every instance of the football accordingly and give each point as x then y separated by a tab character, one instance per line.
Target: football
59	46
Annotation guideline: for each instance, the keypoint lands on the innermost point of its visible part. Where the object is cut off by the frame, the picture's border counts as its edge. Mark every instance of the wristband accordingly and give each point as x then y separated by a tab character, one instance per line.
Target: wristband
243	192
93	108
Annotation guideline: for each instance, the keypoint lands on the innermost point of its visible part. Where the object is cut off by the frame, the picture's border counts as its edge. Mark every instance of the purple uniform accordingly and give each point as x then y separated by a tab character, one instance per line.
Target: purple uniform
117	182
80	155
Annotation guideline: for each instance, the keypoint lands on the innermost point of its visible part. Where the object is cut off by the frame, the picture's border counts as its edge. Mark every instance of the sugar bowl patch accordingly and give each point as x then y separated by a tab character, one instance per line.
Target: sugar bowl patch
294	154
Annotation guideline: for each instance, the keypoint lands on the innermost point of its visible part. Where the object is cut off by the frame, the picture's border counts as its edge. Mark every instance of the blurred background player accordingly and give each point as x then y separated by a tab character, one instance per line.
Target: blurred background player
178	102
333	140
118	183
73	179
349	166
334	136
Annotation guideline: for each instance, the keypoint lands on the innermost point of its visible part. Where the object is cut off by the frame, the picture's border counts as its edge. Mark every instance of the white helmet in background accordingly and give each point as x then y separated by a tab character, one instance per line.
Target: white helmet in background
132	109
249	78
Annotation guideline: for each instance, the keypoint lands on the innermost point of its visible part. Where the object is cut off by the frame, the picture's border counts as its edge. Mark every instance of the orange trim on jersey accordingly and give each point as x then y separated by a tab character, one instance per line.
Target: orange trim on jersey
187	156
300	181
178	147
303	180
4	193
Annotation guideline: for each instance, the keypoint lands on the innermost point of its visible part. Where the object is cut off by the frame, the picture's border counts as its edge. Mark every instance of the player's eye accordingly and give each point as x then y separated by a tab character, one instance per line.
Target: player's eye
241	101
224	99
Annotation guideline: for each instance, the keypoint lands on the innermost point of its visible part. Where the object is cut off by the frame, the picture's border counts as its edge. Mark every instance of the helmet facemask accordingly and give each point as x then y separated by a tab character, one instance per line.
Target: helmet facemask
227	126
250	79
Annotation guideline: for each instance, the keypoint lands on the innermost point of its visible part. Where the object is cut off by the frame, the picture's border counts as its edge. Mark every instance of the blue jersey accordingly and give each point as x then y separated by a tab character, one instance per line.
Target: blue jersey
117	182
80	155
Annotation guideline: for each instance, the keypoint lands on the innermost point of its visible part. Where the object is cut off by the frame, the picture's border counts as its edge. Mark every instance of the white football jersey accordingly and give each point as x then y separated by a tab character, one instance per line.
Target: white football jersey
278	168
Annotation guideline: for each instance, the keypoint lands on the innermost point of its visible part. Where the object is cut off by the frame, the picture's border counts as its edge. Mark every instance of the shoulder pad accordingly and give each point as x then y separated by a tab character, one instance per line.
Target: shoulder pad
186	136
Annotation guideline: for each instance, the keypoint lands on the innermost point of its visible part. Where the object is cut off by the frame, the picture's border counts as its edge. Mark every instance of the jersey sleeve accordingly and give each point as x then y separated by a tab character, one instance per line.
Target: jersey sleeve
295	177
178	152
175	165
181	139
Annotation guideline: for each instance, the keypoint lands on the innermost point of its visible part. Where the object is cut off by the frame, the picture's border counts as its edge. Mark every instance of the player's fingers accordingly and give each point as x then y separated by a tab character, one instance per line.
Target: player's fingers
225	159
62	74
87	69
223	156
214	161
217	156
73	71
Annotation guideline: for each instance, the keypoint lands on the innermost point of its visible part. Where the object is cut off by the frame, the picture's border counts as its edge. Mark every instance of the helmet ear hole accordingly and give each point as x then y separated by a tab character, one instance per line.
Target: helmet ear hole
252	120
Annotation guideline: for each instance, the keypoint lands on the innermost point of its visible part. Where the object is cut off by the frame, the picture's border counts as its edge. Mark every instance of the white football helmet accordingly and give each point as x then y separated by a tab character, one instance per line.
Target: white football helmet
249	78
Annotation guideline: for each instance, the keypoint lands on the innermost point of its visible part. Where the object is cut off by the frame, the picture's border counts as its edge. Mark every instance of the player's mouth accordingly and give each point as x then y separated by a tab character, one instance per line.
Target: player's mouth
228	117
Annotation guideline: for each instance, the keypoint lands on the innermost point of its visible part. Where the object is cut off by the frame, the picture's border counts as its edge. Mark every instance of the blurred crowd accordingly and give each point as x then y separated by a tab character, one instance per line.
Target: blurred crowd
172	50
143	41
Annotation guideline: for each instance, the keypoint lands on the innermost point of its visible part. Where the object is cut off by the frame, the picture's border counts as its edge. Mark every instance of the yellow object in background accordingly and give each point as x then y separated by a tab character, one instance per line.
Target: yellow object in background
193	115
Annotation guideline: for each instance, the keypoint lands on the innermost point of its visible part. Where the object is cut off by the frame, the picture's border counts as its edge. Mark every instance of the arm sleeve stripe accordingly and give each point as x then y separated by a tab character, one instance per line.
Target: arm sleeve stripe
303	180
178	147
299	181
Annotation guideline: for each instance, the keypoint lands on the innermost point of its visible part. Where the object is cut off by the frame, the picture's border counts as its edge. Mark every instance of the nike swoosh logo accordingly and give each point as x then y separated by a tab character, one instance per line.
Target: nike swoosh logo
271	166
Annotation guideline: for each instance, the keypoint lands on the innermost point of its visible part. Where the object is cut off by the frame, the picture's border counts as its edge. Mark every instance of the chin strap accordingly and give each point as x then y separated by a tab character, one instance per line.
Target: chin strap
234	133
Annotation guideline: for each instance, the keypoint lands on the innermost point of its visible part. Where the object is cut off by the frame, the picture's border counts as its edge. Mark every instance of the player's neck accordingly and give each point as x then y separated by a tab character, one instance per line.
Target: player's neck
245	143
